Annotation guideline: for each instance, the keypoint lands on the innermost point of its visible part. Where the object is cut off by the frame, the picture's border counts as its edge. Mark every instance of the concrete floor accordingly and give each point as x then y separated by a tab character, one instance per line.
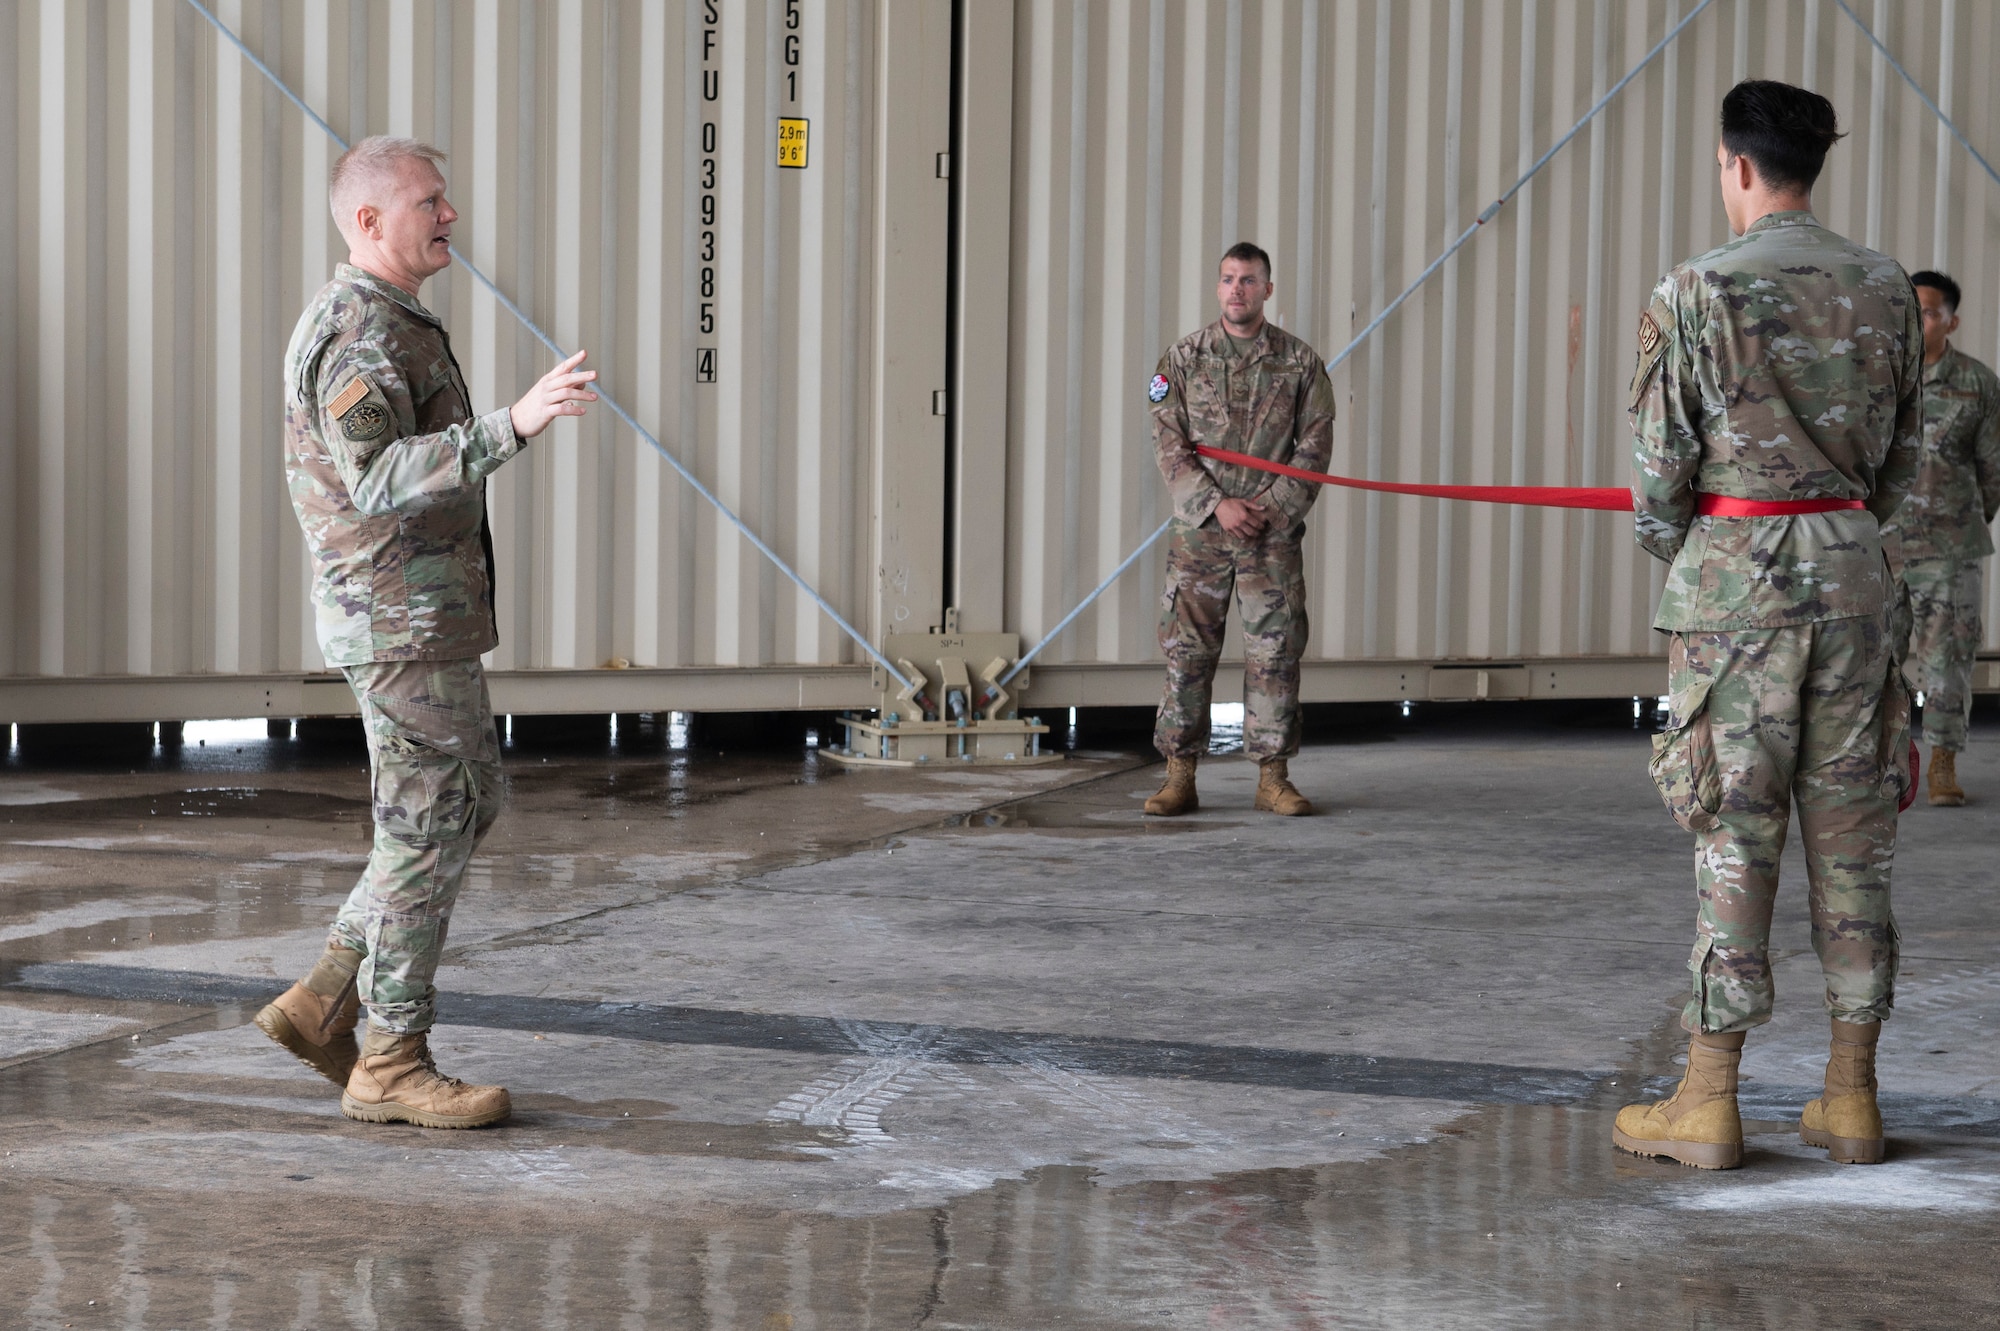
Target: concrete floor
796	1047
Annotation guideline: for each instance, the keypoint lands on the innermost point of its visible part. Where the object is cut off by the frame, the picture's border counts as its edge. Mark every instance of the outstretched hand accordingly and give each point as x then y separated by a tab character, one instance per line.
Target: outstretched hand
560	392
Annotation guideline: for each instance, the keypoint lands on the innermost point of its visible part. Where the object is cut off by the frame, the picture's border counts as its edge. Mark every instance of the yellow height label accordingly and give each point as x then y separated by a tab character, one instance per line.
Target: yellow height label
792	141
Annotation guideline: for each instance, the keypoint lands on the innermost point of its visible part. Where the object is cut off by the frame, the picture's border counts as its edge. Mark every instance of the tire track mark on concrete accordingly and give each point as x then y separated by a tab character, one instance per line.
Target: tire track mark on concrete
893	1061
855	1094
1104	1102
1950	991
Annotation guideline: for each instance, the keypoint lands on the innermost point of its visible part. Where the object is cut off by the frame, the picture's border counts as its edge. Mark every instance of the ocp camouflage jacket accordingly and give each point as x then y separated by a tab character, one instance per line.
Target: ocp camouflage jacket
1275	402
1782	365
1957	491
387	469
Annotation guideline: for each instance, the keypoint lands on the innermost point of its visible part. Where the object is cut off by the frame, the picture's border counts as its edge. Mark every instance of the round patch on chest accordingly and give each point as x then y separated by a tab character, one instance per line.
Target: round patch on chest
364	421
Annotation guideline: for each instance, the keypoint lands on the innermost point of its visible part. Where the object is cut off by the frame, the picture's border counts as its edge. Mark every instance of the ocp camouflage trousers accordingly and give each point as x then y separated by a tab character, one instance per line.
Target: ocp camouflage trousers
1815	715
1267	574
1944	603
434	763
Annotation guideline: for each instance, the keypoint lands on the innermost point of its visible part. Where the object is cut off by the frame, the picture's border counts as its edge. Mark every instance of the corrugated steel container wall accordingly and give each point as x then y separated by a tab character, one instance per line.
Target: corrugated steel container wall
1353	139
167	221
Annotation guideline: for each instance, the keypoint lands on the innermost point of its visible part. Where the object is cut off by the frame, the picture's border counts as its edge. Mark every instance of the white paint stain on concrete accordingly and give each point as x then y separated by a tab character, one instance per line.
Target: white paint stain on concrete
1895	1186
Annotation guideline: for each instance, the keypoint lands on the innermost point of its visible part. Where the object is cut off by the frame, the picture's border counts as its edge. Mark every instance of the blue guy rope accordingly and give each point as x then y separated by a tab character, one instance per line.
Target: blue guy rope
1918	88
1484	217
1086	602
617	408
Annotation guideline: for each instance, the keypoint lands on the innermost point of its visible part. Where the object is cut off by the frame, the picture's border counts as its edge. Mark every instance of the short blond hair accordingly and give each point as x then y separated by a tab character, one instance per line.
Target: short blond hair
364	167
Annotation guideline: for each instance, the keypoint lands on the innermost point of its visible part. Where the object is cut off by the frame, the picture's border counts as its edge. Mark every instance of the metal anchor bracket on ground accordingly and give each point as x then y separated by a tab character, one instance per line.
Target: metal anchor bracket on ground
953	713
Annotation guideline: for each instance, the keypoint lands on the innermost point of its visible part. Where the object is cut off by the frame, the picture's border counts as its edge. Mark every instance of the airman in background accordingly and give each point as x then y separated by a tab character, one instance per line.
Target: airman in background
1943	530
387	468
1245	385
1776	421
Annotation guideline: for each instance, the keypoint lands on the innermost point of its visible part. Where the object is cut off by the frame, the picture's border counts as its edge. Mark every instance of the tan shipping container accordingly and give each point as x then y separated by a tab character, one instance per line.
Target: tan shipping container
617	168
167	221
1353	140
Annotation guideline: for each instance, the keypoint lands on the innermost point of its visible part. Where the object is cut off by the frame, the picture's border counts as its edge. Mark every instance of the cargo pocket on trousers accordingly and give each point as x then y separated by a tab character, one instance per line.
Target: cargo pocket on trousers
1705	1013
1170	622
1684	767
1893	963
1896	756
423	790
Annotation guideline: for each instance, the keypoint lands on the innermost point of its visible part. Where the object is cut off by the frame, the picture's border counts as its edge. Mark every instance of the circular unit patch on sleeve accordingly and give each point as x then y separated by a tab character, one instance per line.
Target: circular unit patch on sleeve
1157	392
364	421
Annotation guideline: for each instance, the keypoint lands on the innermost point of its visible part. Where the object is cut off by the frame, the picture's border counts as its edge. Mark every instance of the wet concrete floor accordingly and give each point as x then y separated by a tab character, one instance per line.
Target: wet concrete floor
799	1047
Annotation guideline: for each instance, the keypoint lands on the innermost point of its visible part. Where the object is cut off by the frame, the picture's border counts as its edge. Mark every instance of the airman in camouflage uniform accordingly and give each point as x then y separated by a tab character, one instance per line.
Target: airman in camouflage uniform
1245	385
1943	531
387	469
1780	367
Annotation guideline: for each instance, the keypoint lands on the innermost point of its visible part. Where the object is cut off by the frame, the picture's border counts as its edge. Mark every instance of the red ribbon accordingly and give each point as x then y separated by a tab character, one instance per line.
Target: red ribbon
1729	506
1541	496
1544	496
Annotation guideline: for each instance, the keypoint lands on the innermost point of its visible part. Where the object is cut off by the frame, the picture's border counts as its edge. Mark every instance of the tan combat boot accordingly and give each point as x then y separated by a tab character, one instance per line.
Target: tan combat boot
1698	1125
1945	789
395	1081
1275	791
1177	796
315	1018
1846	1120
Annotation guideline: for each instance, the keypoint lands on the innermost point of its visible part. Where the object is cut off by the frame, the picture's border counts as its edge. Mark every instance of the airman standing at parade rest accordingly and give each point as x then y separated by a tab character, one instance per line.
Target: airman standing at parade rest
1943	532
1776	424
1245	385
387	468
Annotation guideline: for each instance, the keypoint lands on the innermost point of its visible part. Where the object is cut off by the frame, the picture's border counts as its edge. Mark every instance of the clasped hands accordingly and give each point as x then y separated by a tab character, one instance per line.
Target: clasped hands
1243	517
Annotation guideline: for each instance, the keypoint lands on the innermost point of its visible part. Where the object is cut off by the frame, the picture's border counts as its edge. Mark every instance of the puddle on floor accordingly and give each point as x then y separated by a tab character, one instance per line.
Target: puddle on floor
1052	815
202	902
608	1109
1514	1217
669	788
252	802
1518	1216
1510	1217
